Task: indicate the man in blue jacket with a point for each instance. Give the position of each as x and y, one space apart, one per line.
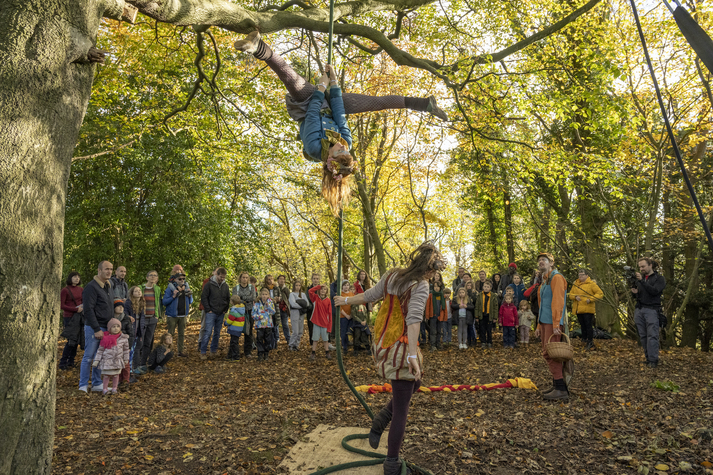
178 299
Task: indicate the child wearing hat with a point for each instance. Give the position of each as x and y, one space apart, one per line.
112 355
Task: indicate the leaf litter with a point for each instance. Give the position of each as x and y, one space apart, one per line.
243 417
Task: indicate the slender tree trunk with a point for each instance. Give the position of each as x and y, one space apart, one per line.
493 235
508 226
368 213
43 99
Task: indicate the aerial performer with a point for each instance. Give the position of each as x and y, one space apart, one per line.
324 131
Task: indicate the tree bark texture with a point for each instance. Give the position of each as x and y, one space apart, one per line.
509 240
44 96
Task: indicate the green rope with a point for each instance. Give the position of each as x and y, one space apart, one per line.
377 458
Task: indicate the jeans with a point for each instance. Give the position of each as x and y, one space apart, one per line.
234 348
446 328
647 325
213 324
285 318
472 337
509 335
344 326
91 345
586 321
181 323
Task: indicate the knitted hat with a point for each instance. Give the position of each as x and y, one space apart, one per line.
113 322
549 256
118 303
512 264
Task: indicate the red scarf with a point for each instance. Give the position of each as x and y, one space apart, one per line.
109 340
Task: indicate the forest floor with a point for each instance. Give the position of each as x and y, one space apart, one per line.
221 417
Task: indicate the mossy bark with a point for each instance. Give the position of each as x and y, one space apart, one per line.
43 99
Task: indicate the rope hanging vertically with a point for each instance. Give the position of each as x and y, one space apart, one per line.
671 137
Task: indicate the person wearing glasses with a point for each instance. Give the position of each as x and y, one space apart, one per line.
177 300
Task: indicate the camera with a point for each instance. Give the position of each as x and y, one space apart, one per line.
630 276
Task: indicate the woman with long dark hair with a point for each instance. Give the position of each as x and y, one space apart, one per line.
71 304
396 353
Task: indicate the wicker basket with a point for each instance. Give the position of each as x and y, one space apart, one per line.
560 350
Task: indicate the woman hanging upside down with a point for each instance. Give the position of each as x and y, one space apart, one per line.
324 132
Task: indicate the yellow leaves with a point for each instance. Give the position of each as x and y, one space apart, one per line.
479 413
707 464
607 434
662 467
148 457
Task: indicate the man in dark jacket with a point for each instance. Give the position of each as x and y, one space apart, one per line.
507 279
215 299
648 290
98 301
284 308
119 285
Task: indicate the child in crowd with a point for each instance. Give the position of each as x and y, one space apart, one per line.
526 317
161 354
345 316
447 324
360 325
321 318
517 288
472 295
462 307
134 307
262 313
486 312
127 328
235 323
112 355
436 312
508 320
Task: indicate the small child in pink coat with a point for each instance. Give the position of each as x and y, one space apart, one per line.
112 355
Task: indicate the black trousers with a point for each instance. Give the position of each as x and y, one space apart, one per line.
586 321
361 337
263 340
247 333
234 348
486 331
163 362
433 331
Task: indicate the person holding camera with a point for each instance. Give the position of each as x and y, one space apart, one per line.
647 290
178 299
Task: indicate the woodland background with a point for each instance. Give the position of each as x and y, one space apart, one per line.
187 155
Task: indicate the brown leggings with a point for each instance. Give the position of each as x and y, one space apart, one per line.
301 90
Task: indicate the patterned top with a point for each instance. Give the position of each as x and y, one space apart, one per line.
262 313
150 298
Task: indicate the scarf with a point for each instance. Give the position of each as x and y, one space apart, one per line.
109 340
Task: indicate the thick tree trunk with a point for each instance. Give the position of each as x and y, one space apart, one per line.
43 99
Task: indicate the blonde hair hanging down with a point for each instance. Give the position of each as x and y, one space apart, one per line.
336 187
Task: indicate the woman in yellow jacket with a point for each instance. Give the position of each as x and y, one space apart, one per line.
584 294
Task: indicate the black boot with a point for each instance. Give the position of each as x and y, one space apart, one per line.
378 426
392 466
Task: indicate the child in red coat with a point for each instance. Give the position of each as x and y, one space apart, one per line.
321 318
508 320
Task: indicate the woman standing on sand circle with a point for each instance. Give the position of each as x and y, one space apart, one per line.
396 353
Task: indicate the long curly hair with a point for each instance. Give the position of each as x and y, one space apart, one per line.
423 259
337 173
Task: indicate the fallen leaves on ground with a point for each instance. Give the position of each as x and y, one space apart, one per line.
243 417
